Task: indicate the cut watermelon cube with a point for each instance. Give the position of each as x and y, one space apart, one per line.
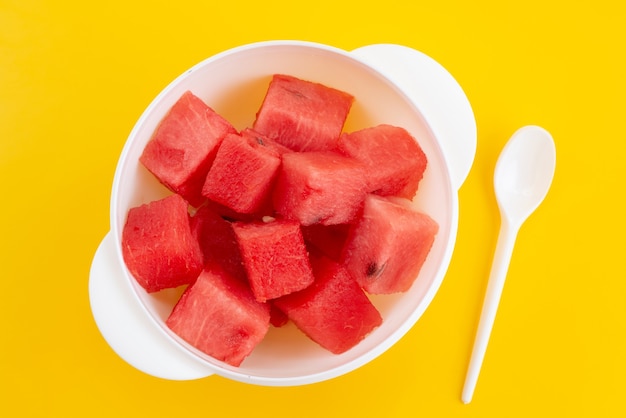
319 187
395 161
389 244
158 246
242 174
334 311
184 145
302 115
217 241
274 256
219 316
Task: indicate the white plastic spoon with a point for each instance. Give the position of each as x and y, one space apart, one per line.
523 175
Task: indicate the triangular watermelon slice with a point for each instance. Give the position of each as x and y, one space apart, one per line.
388 245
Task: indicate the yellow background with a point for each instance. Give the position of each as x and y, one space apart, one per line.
75 76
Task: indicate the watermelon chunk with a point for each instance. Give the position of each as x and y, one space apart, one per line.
217 241
302 115
158 247
395 162
389 244
242 174
219 316
274 256
319 187
334 311
184 145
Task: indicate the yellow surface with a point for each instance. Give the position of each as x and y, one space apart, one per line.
74 77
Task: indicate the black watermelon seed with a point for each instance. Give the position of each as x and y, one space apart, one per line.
374 270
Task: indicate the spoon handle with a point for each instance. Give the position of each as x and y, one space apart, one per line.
499 268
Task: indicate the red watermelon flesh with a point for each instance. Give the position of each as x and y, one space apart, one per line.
319 187
334 311
158 246
277 317
302 115
242 174
327 239
230 215
217 241
264 140
219 316
274 256
394 159
183 146
387 247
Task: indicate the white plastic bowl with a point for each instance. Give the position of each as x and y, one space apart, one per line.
234 83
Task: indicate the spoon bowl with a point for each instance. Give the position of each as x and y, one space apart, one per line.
522 178
524 173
